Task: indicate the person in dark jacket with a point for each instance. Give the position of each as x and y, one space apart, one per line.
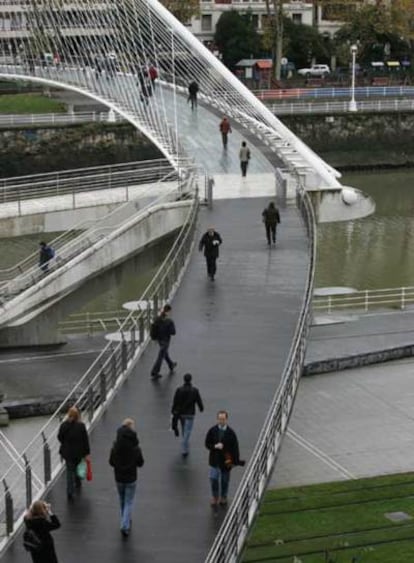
192 94
125 457
46 254
41 520
210 241
271 218
165 328
222 443
74 446
185 400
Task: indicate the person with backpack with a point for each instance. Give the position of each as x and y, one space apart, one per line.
185 400
74 447
37 540
161 330
271 218
46 254
125 457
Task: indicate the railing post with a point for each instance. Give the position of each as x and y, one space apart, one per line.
102 385
8 501
329 304
47 463
366 300
141 329
124 353
90 402
28 472
403 298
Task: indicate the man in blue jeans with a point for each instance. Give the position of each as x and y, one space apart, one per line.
222 443
161 331
185 400
125 457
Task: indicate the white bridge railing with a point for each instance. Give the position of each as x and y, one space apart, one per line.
365 300
382 105
18 119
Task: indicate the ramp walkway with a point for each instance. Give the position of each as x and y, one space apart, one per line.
234 336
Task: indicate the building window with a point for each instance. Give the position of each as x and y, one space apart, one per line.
206 22
297 18
255 21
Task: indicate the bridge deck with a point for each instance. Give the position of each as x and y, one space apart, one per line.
234 336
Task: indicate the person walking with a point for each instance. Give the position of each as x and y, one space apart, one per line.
185 400
222 443
271 218
210 242
46 253
161 331
39 521
225 129
192 94
125 457
244 156
74 447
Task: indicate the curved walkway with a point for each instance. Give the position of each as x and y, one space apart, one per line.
234 336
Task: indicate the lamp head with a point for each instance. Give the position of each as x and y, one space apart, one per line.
354 49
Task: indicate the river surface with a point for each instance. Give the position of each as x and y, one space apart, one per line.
378 251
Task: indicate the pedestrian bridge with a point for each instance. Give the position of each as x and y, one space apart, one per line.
243 337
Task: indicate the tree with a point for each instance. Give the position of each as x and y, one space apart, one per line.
236 37
273 33
377 32
303 43
183 10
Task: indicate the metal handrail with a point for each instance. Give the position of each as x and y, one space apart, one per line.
100 382
232 535
342 107
57 118
76 181
365 300
72 243
317 93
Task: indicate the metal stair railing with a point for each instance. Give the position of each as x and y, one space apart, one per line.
65 252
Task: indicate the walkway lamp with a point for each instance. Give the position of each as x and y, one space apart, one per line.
352 103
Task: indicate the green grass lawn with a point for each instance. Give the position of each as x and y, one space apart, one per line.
336 523
29 103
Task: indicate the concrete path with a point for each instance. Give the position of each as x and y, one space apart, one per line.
351 424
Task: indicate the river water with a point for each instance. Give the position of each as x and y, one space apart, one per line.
375 252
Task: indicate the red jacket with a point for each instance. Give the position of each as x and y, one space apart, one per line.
225 126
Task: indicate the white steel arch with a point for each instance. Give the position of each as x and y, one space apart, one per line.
108 51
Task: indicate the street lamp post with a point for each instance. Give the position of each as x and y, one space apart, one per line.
352 103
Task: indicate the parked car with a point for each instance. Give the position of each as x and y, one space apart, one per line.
315 71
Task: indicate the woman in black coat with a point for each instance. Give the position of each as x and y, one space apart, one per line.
42 521
74 446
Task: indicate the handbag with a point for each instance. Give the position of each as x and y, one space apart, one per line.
228 460
88 470
81 469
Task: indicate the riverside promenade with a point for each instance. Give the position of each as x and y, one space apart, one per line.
234 336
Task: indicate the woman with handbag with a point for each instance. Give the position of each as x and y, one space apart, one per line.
37 540
74 447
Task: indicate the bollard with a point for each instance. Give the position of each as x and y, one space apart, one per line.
210 185
8 501
47 462
28 472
